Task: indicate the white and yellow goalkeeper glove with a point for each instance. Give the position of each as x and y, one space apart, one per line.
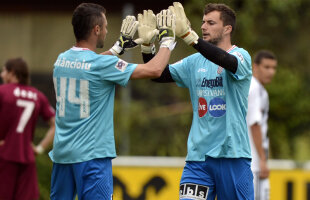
183 29
147 31
166 26
125 41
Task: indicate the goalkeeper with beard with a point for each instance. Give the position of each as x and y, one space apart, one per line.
218 162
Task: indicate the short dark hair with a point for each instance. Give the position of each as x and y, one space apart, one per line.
260 55
20 68
227 15
85 17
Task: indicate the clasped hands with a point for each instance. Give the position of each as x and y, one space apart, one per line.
164 26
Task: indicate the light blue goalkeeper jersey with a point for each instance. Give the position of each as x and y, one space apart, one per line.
84 84
219 100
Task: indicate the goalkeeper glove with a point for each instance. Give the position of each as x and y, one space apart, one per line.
125 41
183 28
166 26
147 31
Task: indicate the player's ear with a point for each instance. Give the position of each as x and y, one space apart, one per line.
97 30
254 67
227 29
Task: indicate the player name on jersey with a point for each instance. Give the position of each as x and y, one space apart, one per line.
63 62
25 93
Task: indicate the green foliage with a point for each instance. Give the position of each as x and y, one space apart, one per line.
159 119
44 166
289 112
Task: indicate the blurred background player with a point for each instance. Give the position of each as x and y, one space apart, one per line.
264 68
85 88
218 78
20 107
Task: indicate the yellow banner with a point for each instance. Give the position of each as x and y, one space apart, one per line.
146 183
290 184
162 183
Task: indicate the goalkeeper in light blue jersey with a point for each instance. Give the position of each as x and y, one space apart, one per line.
84 84
218 78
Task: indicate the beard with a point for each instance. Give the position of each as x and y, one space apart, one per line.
215 40
100 43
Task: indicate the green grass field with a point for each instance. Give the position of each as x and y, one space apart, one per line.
44 167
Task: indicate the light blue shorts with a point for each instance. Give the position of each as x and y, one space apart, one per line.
89 180
226 178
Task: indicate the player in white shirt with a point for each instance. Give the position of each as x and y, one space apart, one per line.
264 68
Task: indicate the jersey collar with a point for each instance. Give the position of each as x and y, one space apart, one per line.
74 48
231 48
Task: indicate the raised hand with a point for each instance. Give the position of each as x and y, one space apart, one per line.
125 41
183 29
166 26
147 31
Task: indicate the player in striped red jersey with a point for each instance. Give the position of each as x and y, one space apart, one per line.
20 107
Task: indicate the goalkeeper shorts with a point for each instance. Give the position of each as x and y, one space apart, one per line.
91 179
224 178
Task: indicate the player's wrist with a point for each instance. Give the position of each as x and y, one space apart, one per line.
148 48
116 49
167 39
40 149
168 42
190 37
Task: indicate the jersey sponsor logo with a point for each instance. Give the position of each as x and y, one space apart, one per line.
202 107
239 55
63 62
217 107
193 191
211 93
121 65
202 70
211 83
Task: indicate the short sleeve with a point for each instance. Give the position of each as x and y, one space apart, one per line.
244 69
114 69
46 111
180 72
254 114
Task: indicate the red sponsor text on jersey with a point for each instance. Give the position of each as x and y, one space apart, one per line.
202 107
